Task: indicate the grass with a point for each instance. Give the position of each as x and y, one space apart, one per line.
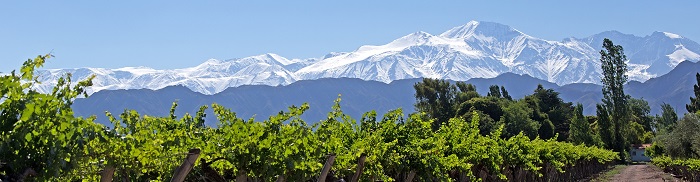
607 175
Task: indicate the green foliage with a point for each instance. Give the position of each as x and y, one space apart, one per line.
486 124
655 150
436 98
505 93
38 132
494 91
287 149
639 113
546 130
614 66
580 131
604 126
491 106
548 98
636 134
517 118
466 92
694 105
677 147
557 111
550 114
668 118
688 169
684 140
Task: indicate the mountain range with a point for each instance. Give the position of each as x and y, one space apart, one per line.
474 50
359 96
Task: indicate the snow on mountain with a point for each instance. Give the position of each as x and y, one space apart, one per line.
474 50
672 35
412 56
680 54
210 77
650 56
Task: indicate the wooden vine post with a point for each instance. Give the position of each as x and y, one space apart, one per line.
107 174
410 176
182 171
326 168
360 168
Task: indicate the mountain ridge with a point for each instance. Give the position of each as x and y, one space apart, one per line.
477 49
359 96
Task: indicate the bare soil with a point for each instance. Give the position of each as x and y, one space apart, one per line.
643 173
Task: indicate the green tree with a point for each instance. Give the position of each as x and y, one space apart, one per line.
489 110
546 130
639 113
466 93
436 98
505 93
683 141
556 110
39 132
517 118
614 66
694 105
486 123
491 106
494 91
667 119
604 126
580 131
636 133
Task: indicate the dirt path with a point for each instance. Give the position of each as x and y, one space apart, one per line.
643 173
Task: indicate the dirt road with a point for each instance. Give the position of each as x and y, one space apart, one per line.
643 173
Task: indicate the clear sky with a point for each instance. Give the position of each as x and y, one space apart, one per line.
178 34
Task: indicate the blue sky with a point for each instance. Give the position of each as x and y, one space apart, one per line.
178 34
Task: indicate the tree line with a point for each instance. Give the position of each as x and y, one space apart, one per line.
620 120
456 134
676 147
41 140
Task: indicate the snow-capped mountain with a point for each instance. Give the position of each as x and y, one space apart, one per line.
652 55
474 50
210 77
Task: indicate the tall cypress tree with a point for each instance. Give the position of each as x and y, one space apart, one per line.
580 131
614 66
605 126
694 105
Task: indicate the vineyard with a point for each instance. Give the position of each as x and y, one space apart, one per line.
688 169
43 141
